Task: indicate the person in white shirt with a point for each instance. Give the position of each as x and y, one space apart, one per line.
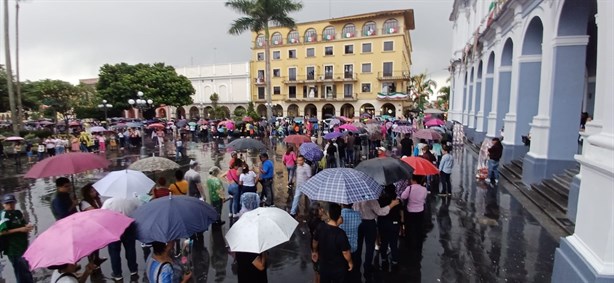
248 180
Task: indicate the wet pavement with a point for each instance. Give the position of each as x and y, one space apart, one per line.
480 234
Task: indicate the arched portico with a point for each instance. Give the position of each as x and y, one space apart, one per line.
180 113
278 111
388 109
487 97
207 112
261 109
194 113
367 108
311 110
504 83
476 137
347 110
293 110
328 111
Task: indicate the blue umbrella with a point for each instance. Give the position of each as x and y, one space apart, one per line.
332 135
181 123
134 124
170 218
311 151
313 120
341 185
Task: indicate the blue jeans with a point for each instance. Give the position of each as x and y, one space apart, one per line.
21 269
295 201
267 191
128 240
291 173
367 231
233 190
493 169
349 155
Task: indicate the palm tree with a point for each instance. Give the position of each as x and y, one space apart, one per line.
421 88
9 71
444 97
17 82
258 15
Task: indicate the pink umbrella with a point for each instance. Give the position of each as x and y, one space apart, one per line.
15 138
427 134
348 127
74 124
66 164
434 122
75 237
247 119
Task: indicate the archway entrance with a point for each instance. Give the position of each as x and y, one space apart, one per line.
367 108
180 113
347 110
311 110
225 112
194 113
278 111
292 110
207 112
328 111
388 110
261 109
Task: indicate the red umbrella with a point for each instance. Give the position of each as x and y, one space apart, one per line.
247 119
297 139
421 166
156 125
434 122
66 164
74 124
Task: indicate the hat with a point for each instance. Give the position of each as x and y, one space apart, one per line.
193 162
381 148
214 169
8 198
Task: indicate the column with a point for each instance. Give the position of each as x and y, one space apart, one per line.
588 254
485 107
501 101
478 137
465 100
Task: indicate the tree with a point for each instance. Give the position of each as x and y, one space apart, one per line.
9 72
421 88
216 112
258 15
444 97
56 96
251 112
120 82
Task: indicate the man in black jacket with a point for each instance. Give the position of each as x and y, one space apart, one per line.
494 154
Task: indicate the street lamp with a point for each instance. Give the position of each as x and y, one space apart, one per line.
105 106
142 104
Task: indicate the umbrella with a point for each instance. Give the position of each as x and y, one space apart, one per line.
341 185
332 135
125 206
297 139
260 229
334 122
365 115
313 120
154 163
124 184
421 166
349 127
248 143
433 111
70 239
386 170
202 122
181 123
170 218
192 124
66 164
134 124
403 129
247 119
74 124
311 151
156 126
427 134
46 123
2 137
14 138
97 129
434 122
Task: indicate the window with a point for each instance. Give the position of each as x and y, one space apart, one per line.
388 45
349 31
260 76
348 71
276 90
387 68
349 49
390 26
261 93
328 33
276 38
260 56
292 53
292 74
328 72
276 73
366 87
348 90
276 55
328 50
366 48
293 37
369 29
311 52
311 35
366 68
388 87
311 74
292 91
260 40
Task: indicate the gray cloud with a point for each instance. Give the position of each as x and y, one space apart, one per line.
70 40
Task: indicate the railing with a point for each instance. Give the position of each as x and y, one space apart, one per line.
259 80
327 77
390 30
330 37
393 75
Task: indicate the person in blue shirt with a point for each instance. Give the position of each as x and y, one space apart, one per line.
63 204
445 170
351 221
266 179
160 265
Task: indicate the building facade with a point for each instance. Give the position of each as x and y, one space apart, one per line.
230 81
527 69
336 67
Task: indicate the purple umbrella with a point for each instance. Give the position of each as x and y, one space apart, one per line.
434 122
311 151
332 135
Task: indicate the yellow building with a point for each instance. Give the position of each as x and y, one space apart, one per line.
337 67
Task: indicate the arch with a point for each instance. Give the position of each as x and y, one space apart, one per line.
225 111
507 55
239 108
194 113
260 40
480 69
328 110
208 92
311 110
369 29
261 109
390 26
347 110
367 108
223 93
328 33
348 31
533 38
311 35
207 112
388 109
278 111
292 110
574 17
490 67
180 113
276 38
293 37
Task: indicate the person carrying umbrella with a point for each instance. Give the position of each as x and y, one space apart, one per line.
66 273
14 238
63 204
160 265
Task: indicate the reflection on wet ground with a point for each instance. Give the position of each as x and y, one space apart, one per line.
481 234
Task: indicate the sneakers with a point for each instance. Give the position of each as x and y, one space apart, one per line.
117 277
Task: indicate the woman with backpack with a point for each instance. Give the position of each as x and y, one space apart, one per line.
159 267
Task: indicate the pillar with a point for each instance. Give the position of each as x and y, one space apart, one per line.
485 107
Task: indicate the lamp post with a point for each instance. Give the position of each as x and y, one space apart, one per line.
142 104
105 106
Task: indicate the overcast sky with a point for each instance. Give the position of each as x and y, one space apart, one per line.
71 39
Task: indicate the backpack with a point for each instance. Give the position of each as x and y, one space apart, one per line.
66 275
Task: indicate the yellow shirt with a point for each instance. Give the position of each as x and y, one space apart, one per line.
179 188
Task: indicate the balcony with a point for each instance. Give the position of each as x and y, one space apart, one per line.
390 30
259 81
393 76
326 78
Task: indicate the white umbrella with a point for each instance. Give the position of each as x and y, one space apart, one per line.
260 229
124 184
124 206
433 111
97 129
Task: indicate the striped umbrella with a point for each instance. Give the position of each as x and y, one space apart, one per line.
341 185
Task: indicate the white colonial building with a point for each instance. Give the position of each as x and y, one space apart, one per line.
229 81
530 68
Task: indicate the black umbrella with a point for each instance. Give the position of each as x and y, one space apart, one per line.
386 170
246 143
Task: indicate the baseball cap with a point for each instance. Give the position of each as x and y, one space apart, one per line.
193 162
381 148
8 198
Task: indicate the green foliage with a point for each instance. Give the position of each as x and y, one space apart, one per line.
95 112
421 88
443 98
239 112
216 112
251 111
4 92
55 96
120 82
